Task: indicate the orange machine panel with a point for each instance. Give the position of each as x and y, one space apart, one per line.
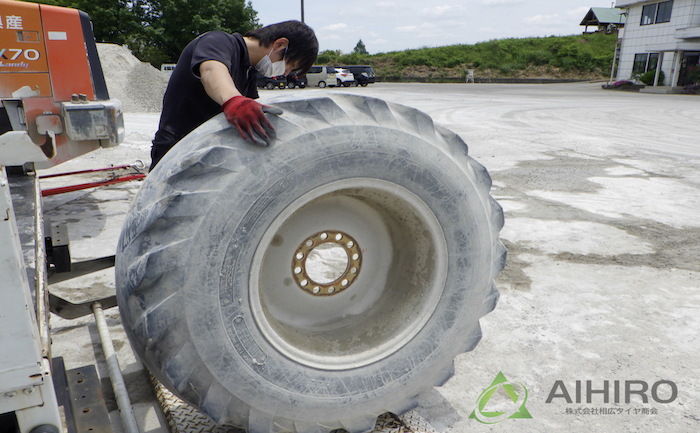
65 49
23 59
10 83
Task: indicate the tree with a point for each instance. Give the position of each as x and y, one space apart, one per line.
157 31
328 57
174 23
114 21
360 48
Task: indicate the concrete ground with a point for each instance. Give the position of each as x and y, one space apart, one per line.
601 193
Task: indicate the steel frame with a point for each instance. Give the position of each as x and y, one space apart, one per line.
26 385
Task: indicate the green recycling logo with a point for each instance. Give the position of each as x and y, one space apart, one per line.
517 393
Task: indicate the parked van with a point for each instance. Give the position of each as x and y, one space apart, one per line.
168 68
321 76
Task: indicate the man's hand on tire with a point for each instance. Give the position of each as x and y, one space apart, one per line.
249 117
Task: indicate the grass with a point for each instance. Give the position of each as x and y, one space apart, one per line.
587 54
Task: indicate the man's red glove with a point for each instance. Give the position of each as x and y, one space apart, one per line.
246 115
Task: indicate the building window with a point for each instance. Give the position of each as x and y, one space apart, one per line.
645 62
656 13
663 15
648 13
640 63
653 61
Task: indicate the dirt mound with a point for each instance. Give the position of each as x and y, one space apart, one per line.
138 85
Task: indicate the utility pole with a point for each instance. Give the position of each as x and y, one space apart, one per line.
302 11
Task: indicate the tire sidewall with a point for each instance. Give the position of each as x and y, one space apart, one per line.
219 307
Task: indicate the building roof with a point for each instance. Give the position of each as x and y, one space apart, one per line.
603 16
626 3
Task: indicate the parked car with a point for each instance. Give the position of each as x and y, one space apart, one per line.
293 81
321 76
168 68
271 82
364 74
344 77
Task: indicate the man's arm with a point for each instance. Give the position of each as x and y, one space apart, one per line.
217 81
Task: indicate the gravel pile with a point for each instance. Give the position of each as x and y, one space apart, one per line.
138 85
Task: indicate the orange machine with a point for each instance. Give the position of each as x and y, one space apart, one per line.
55 103
54 106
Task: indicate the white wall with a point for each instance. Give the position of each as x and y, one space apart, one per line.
685 13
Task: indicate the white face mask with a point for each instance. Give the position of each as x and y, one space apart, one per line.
269 69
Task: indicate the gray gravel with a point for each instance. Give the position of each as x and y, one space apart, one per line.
138 85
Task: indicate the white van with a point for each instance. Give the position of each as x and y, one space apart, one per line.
168 68
321 76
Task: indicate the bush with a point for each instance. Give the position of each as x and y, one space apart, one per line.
693 89
505 69
535 57
488 65
694 75
592 52
622 83
648 77
327 57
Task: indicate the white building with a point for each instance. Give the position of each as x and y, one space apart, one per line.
660 32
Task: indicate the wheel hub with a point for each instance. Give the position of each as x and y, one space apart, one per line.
311 279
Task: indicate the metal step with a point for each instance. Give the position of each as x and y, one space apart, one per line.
79 394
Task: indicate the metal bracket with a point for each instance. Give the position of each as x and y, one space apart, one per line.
69 310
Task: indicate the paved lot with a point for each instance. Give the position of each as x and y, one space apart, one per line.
601 192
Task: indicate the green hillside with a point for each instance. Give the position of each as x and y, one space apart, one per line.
587 56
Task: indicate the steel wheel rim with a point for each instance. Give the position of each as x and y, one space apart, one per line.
397 282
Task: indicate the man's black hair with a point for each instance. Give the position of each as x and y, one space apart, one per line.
303 45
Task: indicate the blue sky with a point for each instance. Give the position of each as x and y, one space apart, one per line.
392 25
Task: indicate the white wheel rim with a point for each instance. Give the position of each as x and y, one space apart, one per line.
397 282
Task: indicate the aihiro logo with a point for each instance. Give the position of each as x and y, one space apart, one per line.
510 407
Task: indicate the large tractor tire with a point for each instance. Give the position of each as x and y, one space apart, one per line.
222 301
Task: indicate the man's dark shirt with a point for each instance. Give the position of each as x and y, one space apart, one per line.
186 104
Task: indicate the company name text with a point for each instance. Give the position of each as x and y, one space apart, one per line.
662 391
